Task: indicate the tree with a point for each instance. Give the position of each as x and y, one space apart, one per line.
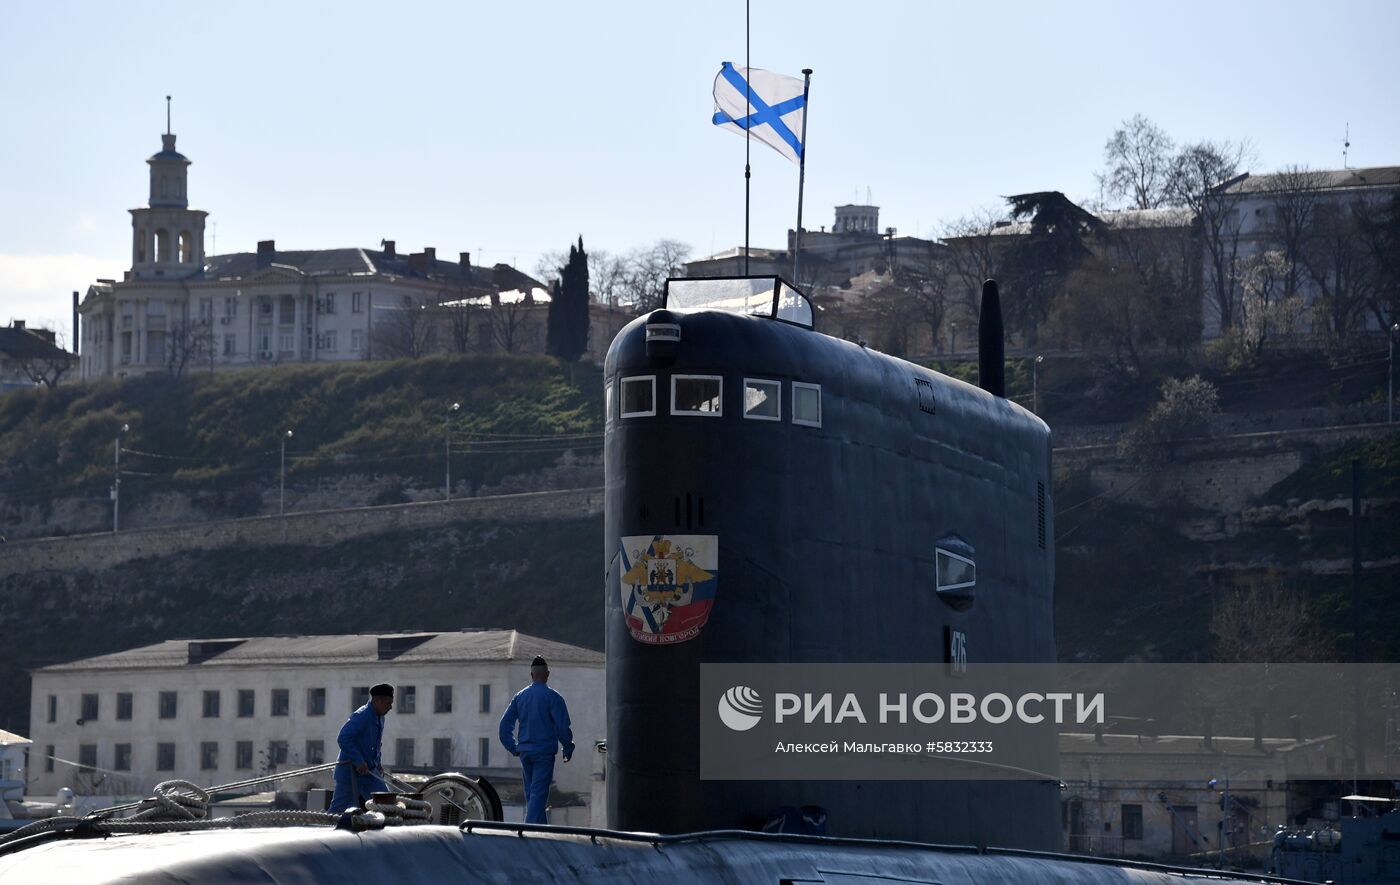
1378 224
42 360
187 341
644 282
1266 623
1182 412
1293 202
1197 174
509 318
402 332
971 259
1266 309
1342 267
1138 164
1039 261
567 330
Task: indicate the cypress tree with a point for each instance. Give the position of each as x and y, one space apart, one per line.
567 337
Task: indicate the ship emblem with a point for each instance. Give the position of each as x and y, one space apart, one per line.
668 585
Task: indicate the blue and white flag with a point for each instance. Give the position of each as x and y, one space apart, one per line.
772 111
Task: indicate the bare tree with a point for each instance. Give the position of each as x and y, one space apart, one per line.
187 341
402 332
1342 268
1197 176
44 361
1293 201
1266 309
509 319
1378 225
643 284
971 259
1138 164
1266 622
607 276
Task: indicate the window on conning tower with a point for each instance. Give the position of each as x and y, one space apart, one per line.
763 399
806 404
639 396
696 395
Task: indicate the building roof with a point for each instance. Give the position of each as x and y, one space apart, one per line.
18 342
1180 744
1327 179
343 262
345 649
9 738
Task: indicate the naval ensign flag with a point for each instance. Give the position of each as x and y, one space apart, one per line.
772 111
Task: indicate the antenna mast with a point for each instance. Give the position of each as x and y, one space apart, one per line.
1346 145
167 115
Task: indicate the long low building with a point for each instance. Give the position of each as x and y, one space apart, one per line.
216 711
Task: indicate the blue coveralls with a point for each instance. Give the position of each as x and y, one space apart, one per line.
359 741
544 728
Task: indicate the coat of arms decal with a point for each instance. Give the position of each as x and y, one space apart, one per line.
668 585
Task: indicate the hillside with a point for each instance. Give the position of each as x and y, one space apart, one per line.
209 446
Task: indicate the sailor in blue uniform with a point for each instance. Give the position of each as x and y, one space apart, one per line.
544 728
360 739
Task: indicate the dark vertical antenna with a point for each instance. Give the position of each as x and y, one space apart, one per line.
748 131
1346 145
167 115
1359 761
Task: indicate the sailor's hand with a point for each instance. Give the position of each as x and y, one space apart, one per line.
361 768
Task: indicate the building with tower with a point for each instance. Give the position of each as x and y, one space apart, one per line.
179 310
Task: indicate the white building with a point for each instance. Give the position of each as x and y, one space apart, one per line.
216 711
1312 213
178 309
12 750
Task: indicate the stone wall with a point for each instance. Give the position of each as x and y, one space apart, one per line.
98 552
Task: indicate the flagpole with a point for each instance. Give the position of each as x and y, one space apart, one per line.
801 178
748 131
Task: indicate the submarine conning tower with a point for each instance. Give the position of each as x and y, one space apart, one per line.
777 495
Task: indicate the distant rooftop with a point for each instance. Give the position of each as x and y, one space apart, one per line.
425 647
9 738
1181 744
337 262
1330 179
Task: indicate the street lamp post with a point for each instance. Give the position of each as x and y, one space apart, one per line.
117 479
1390 376
447 447
282 477
1035 384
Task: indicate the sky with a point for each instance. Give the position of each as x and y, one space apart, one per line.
509 130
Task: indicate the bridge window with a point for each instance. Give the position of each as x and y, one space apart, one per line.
607 403
696 395
763 400
956 571
807 404
639 396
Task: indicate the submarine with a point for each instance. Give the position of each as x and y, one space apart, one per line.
773 496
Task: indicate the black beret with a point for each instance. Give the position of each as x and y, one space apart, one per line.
538 662
382 688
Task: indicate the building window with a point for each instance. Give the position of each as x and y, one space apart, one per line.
165 756
265 343
230 307
48 757
408 699
208 756
442 699
483 749
442 753
206 309
807 404
357 340
359 696
639 396
357 302
87 757
276 753
763 399
228 345
315 752
168 704
287 342
264 307
1132 821
211 704
243 755
245 703
89 708
287 310
315 702
53 708
486 699
281 702
329 302
121 757
328 341
403 752
123 705
696 395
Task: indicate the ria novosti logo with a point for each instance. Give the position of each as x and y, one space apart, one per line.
740 708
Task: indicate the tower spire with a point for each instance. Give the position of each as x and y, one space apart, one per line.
167 115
